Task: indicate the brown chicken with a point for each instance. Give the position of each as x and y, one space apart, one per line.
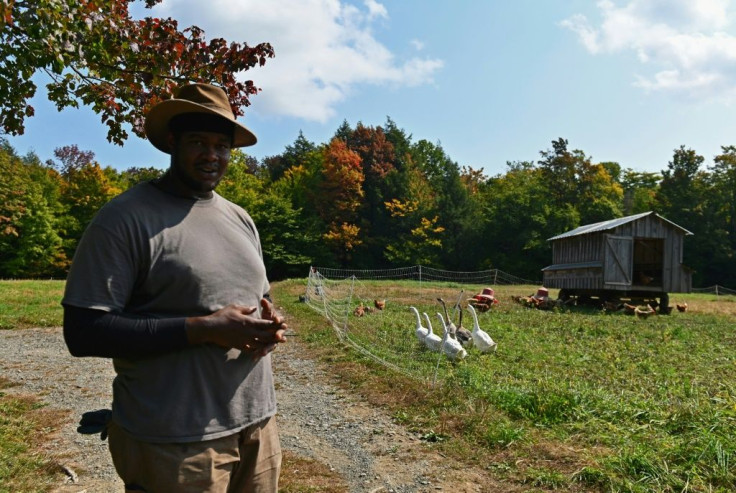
611 306
359 310
681 307
379 304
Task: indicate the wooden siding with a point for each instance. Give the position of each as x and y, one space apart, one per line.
656 259
587 278
584 248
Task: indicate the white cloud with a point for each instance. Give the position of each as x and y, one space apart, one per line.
325 49
376 9
684 45
418 45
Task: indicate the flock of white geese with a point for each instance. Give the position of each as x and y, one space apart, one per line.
456 340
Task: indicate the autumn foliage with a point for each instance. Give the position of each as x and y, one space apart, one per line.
92 52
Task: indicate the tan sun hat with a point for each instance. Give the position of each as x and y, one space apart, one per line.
194 98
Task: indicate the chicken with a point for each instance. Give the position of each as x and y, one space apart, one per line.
379 304
359 310
611 306
681 307
629 309
645 279
645 312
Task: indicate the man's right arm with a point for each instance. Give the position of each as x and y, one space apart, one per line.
89 332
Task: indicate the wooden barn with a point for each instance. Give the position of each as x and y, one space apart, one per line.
636 257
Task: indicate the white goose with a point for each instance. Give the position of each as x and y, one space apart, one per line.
482 340
451 347
420 331
432 340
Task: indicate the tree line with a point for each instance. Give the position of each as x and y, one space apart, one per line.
372 198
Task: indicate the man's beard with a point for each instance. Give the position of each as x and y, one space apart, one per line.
187 180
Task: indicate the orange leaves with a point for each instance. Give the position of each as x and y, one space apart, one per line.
343 236
6 13
343 182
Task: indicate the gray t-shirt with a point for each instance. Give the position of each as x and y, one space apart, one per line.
151 254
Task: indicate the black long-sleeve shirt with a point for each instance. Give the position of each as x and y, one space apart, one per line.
90 332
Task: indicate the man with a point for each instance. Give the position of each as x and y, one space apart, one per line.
169 281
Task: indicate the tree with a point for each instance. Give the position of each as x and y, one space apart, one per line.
721 268
29 243
342 192
560 169
133 176
93 52
422 245
680 191
519 219
724 180
452 201
683 198
293 155
287 247
600 197
85 187
640 191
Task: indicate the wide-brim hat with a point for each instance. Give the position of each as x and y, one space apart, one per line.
194 98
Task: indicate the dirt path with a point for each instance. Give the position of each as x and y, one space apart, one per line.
317 420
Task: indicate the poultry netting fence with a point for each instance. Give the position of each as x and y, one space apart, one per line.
716 290
374 317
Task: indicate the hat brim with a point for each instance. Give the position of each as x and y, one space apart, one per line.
157 123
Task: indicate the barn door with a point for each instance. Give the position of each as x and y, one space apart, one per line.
618 265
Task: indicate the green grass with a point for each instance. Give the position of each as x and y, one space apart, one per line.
579 398
24 422
25 304
24 425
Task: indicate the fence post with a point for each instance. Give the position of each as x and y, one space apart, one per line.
716 289
350 303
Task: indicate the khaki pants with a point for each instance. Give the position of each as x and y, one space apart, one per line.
248 461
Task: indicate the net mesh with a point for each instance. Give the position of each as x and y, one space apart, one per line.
381 326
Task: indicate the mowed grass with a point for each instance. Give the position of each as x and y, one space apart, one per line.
26 303
574 399
24 428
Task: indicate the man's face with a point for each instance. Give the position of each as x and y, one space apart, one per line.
198 161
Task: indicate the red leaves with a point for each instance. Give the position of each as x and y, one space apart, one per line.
122 66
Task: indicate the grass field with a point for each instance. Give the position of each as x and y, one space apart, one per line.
573 400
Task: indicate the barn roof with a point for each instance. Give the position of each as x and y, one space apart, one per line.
612 224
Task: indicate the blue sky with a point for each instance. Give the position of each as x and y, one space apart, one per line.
491 81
